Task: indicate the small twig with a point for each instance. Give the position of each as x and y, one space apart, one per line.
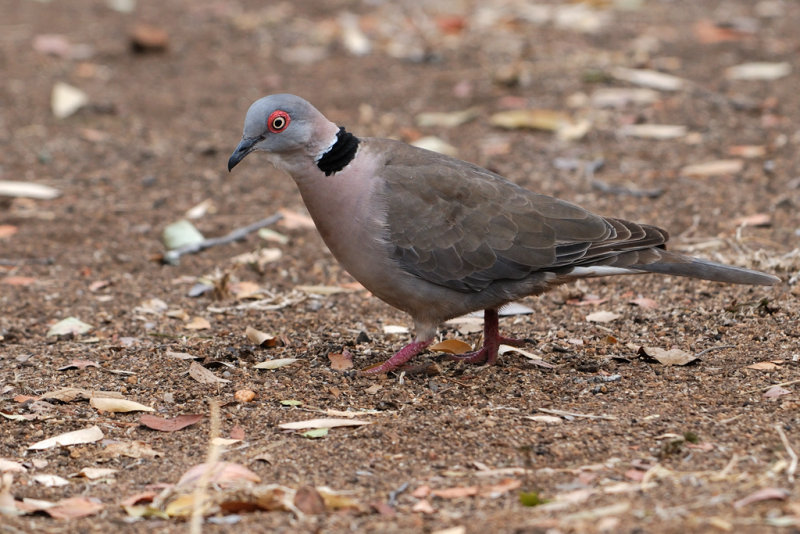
212 457
173 256
709 349
790 471
393 494
575 414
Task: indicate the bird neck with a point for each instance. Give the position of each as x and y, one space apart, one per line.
339 154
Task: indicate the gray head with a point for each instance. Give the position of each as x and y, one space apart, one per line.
280 124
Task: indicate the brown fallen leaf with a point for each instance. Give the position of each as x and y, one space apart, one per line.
309 501
139 498
237 433
75 507
7 230
169 425
708 32
455 492
198 323
714 168
71 394
644 302
504 486
18 280
262 339
748 151
421 492
341 361
667 357
130 449
423 506
776 391
203 375
79 364
451 346
763 366
764 494
757 219
223 474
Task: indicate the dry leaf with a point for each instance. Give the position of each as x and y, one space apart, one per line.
668 357
237 433
222 474
10 466
618 97
94 473
74 507
447 119
262 339
765 494
275 364
336 500
748 151
105 404
69 326
763 366
423 506
131 449
536 119
341 362
169 425
198 323
182 355
66 100
18 280
50 481
323 290
394 329
435 144
10 188
654 131
77 437
456 492
649 78
496 490
71 394
79 364
323 423
644 302
451 346
772 393
602 317
309 501
708 32
758 71
203 375
757 219
7 230
714 168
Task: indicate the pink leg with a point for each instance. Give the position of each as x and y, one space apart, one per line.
491 341
398 358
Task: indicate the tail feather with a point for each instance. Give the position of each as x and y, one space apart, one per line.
679 265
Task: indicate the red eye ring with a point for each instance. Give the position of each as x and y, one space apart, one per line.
278 121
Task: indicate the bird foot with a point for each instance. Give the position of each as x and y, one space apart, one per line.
398 359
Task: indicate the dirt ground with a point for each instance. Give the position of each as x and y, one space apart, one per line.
704 447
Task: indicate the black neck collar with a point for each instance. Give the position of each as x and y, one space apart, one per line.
340 154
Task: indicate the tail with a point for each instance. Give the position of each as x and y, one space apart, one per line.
679 265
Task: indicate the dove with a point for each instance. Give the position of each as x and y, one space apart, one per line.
437 237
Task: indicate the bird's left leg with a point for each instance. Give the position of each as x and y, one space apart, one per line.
491 341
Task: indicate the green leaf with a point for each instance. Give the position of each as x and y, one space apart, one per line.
530 498
316 433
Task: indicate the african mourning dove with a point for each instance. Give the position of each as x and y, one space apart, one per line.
438 237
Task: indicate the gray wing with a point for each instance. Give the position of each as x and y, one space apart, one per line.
460 226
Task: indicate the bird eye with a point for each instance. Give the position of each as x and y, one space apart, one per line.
278 121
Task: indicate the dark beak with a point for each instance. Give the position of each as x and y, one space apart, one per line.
244 148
